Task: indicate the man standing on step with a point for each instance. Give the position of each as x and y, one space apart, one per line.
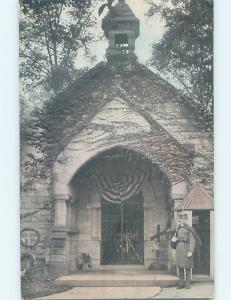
185 240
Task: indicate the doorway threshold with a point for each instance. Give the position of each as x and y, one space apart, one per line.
121 267
202 278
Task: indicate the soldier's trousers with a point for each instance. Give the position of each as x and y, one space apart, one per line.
182 282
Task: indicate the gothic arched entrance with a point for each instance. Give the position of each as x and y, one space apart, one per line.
120 199
88 189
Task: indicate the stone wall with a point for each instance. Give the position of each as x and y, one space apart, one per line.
156 212
183 120
36 213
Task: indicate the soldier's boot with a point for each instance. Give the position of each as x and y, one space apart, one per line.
181 278
188 279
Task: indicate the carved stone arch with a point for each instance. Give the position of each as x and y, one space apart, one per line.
64 172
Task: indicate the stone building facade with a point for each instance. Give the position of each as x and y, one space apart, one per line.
125 122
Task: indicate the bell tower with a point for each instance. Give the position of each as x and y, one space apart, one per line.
122 28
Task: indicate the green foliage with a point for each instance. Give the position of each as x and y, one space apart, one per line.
53 123
38 5
185 53
62 117
51 34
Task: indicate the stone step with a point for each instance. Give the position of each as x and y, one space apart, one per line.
202 278
118 268
120 279
99 293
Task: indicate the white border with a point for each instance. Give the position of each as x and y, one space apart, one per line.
222 148
9 150
9 153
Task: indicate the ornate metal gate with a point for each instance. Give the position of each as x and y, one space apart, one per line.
122 239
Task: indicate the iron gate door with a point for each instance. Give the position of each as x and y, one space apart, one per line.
122 240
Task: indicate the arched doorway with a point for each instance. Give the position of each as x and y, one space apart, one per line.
121 199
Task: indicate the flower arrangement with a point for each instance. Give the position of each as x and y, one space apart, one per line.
85 262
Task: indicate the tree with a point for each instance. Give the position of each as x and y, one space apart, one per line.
53 124
185 53
51 34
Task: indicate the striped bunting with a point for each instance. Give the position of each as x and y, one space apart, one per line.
119 187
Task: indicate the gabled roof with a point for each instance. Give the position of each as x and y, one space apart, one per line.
66 115
123 10
120 13
106 82
197 199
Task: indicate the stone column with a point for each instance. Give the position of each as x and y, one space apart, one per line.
148 220
60 240
178 193
131 41
61 210
111 38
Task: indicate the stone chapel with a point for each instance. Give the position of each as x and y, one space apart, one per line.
137 153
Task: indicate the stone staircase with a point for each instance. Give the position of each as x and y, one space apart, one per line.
118 278
118 284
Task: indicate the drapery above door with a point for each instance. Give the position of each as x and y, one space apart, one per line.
118 187
119 174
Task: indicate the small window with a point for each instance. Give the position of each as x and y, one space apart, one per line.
121 40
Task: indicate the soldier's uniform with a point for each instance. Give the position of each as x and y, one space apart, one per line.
184 247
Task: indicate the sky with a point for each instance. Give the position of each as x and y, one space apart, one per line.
9 272
151 31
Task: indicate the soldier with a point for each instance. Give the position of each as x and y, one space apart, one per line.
185 240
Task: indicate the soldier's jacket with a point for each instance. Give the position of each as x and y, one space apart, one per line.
185 244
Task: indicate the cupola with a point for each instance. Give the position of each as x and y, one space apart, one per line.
122 28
